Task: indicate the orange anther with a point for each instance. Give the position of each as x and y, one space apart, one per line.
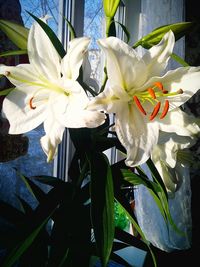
165 91
152 93
31 103
139 105
165 109
159 85
155 111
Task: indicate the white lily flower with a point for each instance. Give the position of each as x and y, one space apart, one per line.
172 155
140 97
47 91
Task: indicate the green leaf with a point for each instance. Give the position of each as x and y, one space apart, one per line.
34 189
11 214
179 29
6 91
25 206
52 36
49 180
139 230
16 253
37 220
102 205
129 239
179 60
156 176
17 33
152 187
71 29
162 194
13 53
125 31
157 189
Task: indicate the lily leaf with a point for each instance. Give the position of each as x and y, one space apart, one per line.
16 253
13 53
153 188
125 31
6 91
17 33
52 36
137 227
49 180
179 29
10 213
71 29
34 189
102 205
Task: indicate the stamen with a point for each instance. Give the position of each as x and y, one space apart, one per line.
159 85
152 93
7 73
155 111
180 91
31 103
139 105
165 91
165 110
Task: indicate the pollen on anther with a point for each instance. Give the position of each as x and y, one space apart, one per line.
180 91
31 103
159 85
139 105
165 109
152 93
155 111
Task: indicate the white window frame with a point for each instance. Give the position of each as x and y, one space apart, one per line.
71 10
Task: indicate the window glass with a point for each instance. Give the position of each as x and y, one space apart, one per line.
94 28
40 8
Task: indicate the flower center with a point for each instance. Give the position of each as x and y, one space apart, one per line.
152 94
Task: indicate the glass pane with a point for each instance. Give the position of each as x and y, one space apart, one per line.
40 8
94 28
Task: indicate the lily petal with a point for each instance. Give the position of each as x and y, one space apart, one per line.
179 122
185 78
21 74
125 68
42 54
73 60
109 100
157 57
136 135
54 133
16 108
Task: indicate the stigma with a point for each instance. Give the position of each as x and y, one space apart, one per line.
153 95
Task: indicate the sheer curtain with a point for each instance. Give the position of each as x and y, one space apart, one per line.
152 15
